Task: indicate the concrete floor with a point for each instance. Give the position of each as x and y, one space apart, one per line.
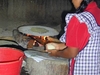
23 72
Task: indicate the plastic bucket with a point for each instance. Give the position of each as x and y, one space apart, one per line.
10 61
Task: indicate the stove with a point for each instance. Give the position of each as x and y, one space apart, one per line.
34 37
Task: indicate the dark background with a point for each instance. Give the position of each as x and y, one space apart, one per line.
43 11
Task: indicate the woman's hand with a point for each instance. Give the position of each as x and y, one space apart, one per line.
53 48
52 52
60 50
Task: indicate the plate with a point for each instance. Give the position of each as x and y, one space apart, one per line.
38 30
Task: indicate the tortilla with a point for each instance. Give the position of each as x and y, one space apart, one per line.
50 47
39 30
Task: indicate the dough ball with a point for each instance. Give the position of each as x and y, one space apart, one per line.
50 46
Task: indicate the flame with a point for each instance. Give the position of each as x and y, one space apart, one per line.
34 42
46 38
41 40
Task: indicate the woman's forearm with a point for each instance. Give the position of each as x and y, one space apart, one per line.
69 52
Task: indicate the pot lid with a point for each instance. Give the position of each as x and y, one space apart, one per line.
38 30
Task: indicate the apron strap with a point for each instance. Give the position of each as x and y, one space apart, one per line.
71 69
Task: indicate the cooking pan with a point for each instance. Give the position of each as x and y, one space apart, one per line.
37 30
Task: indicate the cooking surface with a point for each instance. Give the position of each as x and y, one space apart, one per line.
38 30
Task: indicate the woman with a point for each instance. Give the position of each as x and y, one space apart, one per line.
82 39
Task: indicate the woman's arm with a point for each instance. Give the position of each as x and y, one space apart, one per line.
61 50
69 52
